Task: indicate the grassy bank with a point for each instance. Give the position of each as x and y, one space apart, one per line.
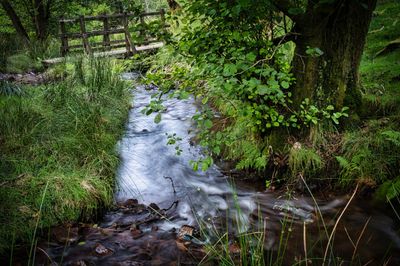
58 155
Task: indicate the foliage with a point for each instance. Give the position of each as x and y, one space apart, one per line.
61 135
22 63
231 66
371 156
380 74
304 160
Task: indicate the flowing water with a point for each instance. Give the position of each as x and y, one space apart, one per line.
162 195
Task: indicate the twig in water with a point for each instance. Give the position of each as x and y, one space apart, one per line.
45 253
170 207
172 182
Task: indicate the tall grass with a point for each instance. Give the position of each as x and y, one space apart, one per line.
61 136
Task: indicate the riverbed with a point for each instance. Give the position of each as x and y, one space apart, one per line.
168 214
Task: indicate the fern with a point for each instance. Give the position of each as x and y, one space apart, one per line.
389 190
392 136
373 154
304 160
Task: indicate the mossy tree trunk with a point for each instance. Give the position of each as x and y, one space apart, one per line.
338 28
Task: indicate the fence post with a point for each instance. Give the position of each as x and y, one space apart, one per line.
84 35
106 36
64 38
130 48
142 29
162 13
164 29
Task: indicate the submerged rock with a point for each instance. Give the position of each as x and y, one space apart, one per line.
101 250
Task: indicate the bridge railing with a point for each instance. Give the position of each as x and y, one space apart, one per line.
115 30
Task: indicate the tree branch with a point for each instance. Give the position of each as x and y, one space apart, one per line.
284 6
15 20
290 36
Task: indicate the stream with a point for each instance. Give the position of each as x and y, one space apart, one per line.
162 205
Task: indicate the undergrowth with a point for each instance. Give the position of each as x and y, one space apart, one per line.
63 136
245 98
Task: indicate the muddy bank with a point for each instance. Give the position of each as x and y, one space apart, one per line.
128 235
30 78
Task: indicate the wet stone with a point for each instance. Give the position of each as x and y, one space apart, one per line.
79 263
154 228
154 207
65 235
130 203
185 233
136 232
234 248
101 250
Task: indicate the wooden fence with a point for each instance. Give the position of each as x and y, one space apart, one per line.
112 24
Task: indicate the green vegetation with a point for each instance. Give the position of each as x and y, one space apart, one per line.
279 92
224 55
61 136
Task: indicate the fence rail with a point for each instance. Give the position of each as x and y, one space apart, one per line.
108 29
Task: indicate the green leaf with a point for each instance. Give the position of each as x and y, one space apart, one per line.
251 57
285 84
208 123
217 150
157 118
262 89
229 70
195 165
330 108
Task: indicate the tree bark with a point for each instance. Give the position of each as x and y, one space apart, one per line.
340 32
19 28
41 18
173 5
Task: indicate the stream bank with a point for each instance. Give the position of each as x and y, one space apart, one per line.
164 201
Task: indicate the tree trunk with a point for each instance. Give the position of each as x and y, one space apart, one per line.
173 5
41 19
19 28
331 78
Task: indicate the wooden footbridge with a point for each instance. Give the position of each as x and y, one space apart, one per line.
120 35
